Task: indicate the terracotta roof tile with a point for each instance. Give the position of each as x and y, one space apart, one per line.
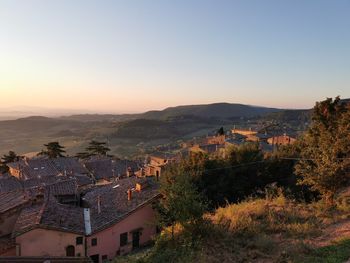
9 183
69 165
12 199
50 215
114 200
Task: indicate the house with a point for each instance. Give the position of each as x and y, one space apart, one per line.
121 216
281 140
114 220
257 137
105 169
158 162
207 148
66 192
244 132
33 168
220 139
69 166
49 228
11 204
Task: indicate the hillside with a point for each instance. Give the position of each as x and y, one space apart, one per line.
131 134
258 230
215 110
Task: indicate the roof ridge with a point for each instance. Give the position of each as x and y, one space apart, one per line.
41 212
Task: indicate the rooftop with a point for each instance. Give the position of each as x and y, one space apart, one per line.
114 203
9 183
49 214
12 199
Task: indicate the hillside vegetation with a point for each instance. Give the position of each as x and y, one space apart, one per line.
256 230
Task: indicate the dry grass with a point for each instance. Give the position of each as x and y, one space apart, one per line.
259 230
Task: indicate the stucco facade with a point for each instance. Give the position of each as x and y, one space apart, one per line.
44 242
108 240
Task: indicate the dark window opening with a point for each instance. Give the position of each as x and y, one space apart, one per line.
79 240
123 239
135 239
104 258
70 251
95 258
94 242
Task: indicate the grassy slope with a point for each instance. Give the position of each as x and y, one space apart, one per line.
259 230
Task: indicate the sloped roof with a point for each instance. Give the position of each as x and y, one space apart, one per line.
9 183
101 168
121 166
43 181
82 179
35 168
10 200
50 215
66 187
69 165
114 201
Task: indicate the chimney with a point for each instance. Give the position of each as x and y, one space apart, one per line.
99 204
129 194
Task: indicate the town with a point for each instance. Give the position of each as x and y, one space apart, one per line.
98 206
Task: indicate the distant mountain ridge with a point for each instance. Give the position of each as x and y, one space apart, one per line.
215 110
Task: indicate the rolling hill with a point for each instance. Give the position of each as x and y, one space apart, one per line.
132 134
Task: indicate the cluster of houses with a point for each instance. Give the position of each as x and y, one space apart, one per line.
96 208
64 207
218 144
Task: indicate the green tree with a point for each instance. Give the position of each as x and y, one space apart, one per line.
181 202
221 131
97 148
325 152
8 158
53 150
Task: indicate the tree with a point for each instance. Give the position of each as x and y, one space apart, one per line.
325 152
83 155
97 148
221 131
181 202
8 158
53 150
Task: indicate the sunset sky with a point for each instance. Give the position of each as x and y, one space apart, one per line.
131 56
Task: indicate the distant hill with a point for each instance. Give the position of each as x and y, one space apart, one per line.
216 110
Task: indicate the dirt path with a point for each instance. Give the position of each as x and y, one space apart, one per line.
333 233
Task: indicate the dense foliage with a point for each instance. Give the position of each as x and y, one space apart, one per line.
325 151
53 150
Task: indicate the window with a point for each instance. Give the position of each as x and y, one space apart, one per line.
70 251
104 258
123 239
94 242
79 240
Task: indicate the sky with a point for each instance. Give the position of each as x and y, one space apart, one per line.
137 55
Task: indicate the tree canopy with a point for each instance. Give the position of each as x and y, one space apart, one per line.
8 158
181 202
325 151
97 148
53 150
